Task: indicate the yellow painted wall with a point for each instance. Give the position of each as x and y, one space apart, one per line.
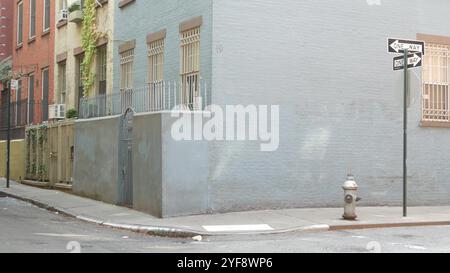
17 159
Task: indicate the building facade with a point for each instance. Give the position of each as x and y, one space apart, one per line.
324 63
33 60
69 53
6 29
6 32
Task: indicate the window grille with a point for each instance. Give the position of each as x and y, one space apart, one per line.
126 70
436 75
190 65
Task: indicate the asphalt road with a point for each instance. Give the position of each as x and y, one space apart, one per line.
26 228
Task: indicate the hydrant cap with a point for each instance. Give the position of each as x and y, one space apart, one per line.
350 184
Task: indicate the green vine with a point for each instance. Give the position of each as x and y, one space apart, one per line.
89 36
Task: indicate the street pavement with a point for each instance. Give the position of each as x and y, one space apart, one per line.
248 222
27 228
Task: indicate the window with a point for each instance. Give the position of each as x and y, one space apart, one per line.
20 23
18 107
190 65
45 92
126 70
62 82
156 61
46 15
102 54
155 74
31 103
436 75
102 69
63 13
79 78
32 19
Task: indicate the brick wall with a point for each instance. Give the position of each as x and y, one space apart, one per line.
34 55
325 64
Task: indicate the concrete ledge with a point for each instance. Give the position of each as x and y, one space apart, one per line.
38 184
62 186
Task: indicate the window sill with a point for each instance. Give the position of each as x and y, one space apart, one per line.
61 23
45 33
100 3
31 40
19 46
435 124
124 3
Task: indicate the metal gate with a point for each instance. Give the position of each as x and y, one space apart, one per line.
126 162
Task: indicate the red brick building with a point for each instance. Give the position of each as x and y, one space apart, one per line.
6 33
6 28
33 58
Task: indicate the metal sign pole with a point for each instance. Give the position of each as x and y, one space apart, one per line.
8 143
405 136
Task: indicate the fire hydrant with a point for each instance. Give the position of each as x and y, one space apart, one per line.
350 187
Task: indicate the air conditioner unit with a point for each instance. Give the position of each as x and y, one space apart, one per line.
63 15
57 111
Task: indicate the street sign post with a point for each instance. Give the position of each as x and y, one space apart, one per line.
8 142
413 52
414 60
400 45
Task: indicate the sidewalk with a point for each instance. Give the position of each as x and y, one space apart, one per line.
253 222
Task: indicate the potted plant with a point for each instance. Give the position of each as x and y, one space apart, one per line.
75 13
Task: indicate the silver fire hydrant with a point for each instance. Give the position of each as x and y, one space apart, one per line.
350 188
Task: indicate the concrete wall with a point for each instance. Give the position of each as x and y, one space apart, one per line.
185 172
169 177
136 20
96 155
17 163
325 64
147 164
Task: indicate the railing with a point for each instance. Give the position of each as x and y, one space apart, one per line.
23 112
154 97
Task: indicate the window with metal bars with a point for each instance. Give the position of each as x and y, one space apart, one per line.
190 65
156 61
436 76
126 70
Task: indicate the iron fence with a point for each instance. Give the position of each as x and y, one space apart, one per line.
154 97
23 112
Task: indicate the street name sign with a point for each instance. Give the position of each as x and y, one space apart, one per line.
399 46
414 60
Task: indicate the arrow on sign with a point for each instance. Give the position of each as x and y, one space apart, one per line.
399 46
414 60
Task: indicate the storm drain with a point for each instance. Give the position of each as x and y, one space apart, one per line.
2 195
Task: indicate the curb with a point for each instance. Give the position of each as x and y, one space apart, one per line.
161 231
389 225
187 233
149 230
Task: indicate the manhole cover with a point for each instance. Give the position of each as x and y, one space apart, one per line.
2 195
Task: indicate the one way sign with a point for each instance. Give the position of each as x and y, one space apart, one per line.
414 60
399 46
